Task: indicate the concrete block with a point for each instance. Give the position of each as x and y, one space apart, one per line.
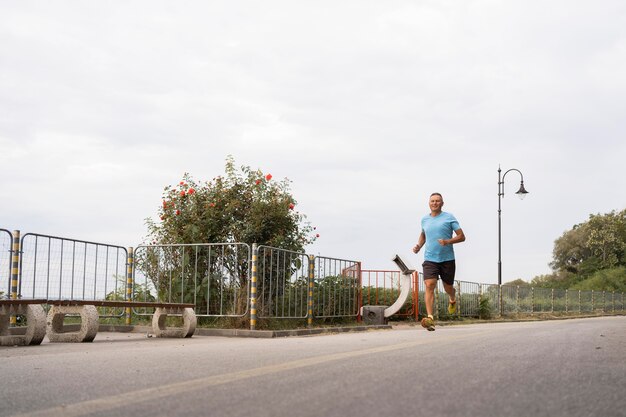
189 322
88 324
35 329
374 315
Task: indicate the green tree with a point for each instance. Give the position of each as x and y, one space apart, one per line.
613 279
243 206
607 238
518 282
597 244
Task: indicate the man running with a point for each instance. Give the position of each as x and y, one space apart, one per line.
437 228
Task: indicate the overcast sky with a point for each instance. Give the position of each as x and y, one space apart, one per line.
366 106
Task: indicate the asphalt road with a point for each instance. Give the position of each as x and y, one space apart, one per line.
553 368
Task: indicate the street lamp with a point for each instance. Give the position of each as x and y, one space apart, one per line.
521 193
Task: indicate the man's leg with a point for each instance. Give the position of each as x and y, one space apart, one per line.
429 295
451 292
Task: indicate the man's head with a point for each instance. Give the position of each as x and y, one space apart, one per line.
435 203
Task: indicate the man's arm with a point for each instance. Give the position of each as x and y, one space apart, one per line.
420 242
458 238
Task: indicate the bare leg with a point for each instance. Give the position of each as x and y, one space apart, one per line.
450 291
429 295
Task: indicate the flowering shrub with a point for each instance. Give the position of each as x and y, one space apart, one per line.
244 206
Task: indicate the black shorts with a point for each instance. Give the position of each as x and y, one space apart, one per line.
444 270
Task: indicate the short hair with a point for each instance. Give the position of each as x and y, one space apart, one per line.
438 195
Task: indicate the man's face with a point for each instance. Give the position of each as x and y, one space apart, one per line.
435 203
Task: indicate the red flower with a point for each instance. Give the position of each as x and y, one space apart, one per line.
182 193
191 191
257 182
291 206
268 177
162 217
212 204
177 212
182 183
164 204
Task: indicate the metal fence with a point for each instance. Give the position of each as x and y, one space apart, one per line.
217 278
59 268
337 287
282 283
487 300
212 276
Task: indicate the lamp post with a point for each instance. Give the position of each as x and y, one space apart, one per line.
521 193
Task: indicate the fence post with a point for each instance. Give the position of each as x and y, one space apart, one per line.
15 262
359 295
416 294
580 307
458 298
253 282
552 301
532 300
436 302
566 311
309 297
613 301
500 307
130 268
593 303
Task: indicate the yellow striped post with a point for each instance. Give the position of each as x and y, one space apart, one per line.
309 316
15 265
253 282
129 282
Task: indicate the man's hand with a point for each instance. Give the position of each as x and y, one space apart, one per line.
416 248
442 242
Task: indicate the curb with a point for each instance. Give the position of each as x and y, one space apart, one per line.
259 334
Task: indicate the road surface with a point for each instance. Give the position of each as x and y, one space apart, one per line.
555 368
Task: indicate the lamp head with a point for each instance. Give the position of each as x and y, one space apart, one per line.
521 193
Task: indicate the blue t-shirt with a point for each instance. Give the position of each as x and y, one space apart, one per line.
435 228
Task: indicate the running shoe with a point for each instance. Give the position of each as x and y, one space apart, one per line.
428 324
451 307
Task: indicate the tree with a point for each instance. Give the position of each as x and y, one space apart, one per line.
613 279
597 244
607 238
244 206
517 282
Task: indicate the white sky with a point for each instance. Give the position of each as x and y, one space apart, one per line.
367 106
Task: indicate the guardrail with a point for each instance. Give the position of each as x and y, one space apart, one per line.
212 276
382 287
337 287
60 268
282 283
234 280
53 267
487 300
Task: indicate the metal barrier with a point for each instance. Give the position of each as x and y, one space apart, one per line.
212 276
468 298
59 268
221 281
6 251
337 285
283 283
380 287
